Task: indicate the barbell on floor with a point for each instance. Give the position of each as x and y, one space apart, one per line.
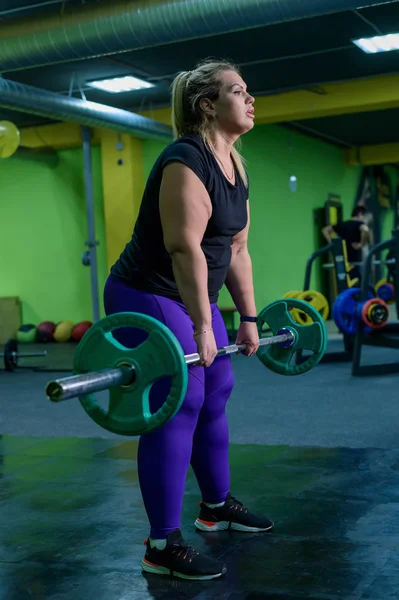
102 363
11 355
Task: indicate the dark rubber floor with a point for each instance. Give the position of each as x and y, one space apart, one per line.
317 453
73 525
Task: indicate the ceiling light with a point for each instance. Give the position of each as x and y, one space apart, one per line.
379 43
116 85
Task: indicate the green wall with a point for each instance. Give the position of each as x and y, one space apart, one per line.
282 234
43 229
43 223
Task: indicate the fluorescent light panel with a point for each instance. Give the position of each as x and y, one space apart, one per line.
116 85
379 43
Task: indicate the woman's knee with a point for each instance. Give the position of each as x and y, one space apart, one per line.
219 384
223 386
192 403
194 398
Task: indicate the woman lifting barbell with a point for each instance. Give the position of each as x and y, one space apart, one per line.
189 239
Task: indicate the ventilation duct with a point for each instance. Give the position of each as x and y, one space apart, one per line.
33 101
99 29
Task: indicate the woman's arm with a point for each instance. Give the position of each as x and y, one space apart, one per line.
364 235
185 210
328 233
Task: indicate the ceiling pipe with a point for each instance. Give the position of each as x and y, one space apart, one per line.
34 101
18 9
112 27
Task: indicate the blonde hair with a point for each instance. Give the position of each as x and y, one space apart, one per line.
188 89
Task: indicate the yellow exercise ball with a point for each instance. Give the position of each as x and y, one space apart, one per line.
63 331
9 139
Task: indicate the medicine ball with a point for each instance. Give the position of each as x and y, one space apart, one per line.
63 331
45 331
80 329
26 334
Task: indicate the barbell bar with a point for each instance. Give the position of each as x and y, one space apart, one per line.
11 355
25 354
78 385
102 363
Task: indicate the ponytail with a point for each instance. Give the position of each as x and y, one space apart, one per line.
179 103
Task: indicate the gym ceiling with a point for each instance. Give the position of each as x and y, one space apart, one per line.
305 73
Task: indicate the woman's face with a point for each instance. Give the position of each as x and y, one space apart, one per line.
233 110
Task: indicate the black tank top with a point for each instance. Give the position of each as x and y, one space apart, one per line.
145 264
350 232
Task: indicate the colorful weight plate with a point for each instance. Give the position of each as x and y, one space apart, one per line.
317 300
375 313
385 290
293 294
307 337
346 310
160 355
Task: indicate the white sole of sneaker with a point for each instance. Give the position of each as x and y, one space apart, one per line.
224 525
157 570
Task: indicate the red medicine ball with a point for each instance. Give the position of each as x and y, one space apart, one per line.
80 329
45 331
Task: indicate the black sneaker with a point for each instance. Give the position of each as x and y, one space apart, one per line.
179 559
232 515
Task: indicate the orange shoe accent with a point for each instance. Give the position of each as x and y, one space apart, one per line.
150 563
209 523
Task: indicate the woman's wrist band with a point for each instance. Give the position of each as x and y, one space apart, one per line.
200 331
244 319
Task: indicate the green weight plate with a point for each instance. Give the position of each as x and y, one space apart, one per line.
307 337
160 355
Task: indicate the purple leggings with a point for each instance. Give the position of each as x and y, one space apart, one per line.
198 433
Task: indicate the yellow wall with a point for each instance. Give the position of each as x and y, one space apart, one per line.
123 186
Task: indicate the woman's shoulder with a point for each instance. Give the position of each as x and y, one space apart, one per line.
190 141
190 149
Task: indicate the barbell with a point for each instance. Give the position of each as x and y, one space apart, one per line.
102 363
11 355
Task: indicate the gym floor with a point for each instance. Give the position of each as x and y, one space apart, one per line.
318 453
